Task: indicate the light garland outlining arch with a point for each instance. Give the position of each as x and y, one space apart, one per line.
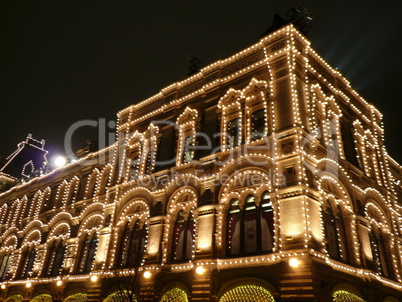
187 123
345 296
79 297
345 202
103 180
174 295
9 244
131 211
60 217
240 179
176 204
246 293
91 183
91 208
300 136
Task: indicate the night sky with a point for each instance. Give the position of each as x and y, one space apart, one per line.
66 61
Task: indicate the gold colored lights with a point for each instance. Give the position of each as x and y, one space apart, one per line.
147 274
94 278
200 270
294 262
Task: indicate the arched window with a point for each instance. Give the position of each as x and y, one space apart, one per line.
233 133
4 266
233 228
330 231
250 225
124 247
131 246
87 255
55 259
251 229
378 250
335 233
183 236
267 223
90 187
27 263
258 129
342 239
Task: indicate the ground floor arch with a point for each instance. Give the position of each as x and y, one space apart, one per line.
78 297
246 293
345 296
175 295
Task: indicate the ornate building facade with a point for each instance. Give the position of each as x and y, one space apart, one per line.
263 177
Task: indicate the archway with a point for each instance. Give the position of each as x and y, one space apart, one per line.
79 297
14 298
42 298
175 295
121 296
345 296
246 293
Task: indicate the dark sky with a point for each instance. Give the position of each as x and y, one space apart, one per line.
66 61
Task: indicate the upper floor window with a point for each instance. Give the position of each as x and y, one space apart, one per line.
151 136
5 265
230 105
27 262
233 133
183 237
131 246
134 169
55 259
187 123
380 262
250 227
335 233
188 150
134 149
87 254
258 129
149 162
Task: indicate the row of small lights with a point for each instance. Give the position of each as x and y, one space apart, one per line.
300 169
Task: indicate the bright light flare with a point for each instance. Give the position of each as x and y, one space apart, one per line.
59 161
94 278
293 262
200 270
147 274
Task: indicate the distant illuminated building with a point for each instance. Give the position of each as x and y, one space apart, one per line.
263 177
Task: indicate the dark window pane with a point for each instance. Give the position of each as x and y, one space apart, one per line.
233 128
258 124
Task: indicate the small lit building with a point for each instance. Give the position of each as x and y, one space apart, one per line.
263 177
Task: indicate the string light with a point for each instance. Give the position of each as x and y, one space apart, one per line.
115 195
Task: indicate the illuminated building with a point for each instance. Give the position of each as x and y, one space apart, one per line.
296 199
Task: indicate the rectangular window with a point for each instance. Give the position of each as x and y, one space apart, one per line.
188 149
233 128
258 124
